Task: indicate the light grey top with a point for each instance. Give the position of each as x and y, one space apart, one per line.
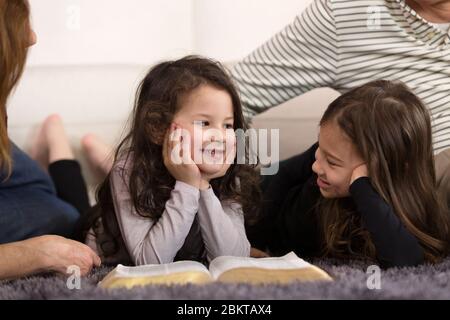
151 242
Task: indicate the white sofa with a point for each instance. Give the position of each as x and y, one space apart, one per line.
99 99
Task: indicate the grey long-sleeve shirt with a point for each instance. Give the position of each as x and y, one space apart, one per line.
221 224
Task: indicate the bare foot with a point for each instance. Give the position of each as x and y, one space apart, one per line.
39 149
99 154
51 143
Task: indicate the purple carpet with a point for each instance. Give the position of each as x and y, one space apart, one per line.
351 282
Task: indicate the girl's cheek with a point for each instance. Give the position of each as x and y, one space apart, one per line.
231 140
195 136
344 185
196 146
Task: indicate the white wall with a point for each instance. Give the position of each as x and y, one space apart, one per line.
228 30
91 54
146 31
110 31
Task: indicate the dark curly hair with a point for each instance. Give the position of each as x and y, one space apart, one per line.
149 182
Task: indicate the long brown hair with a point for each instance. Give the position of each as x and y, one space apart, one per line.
149 182
14 41
391 129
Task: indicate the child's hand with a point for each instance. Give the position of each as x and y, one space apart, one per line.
358 172
256 253
177 157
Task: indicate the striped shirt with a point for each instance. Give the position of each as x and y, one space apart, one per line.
345 43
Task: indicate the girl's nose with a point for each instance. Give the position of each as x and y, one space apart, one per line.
316 168
217 136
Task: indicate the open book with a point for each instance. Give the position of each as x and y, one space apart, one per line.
283 269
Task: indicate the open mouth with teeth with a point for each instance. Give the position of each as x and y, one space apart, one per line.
213 152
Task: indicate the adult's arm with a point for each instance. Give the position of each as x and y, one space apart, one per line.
303 56
44 254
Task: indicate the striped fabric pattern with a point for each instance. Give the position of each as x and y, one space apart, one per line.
345 43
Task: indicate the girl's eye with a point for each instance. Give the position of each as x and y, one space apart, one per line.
331 163
229 126
202 123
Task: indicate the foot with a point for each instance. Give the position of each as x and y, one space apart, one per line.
99 154
51 143
39 149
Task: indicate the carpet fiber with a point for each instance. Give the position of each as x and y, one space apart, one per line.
423 282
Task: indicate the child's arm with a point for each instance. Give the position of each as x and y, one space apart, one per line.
147 241
222 227
395 245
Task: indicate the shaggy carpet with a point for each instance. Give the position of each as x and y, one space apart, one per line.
351 282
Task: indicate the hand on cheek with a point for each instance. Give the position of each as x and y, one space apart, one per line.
358 172
177 157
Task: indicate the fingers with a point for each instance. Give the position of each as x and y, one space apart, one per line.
90 261
180 147
170 149
362 164
166 144
93 258
186 149
88 257
256 253
175 147
96 259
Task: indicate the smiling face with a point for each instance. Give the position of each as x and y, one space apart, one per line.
336 158
206 114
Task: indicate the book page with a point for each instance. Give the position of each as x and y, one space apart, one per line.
265 270
159 269
225 263
180 272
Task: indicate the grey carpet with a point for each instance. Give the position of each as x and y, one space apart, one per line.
423 282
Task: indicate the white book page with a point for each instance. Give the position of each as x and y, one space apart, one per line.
289 261
159 269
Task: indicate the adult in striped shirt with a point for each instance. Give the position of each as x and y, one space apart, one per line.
345 43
